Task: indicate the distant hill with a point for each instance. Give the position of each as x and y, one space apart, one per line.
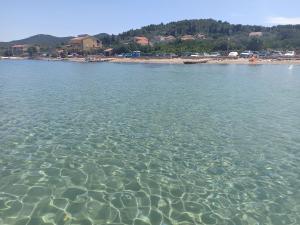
41 39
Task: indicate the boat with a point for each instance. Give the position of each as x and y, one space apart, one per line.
195 62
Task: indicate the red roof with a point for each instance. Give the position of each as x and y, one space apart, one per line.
19 46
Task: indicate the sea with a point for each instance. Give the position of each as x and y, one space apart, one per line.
148 144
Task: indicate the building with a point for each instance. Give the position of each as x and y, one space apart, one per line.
143 41
108 52
25 50
200 36
169 38
85 43
187 38
158 39
164 39
255 34
19 49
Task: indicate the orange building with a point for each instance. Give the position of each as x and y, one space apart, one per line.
19 49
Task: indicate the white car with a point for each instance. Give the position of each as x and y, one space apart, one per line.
290 53
214 54
233 54
196 55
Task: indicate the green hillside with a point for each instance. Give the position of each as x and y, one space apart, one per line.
219 36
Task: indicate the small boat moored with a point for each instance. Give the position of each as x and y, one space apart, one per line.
195 62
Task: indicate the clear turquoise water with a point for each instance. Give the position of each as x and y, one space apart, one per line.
149 144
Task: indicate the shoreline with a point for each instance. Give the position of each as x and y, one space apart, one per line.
176 61
180 61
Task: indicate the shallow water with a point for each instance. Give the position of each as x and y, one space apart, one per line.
149 144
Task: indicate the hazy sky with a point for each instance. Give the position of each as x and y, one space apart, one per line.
23 18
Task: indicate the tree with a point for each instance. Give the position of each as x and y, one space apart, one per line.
121 49
221 45
32 51
255 44
7 53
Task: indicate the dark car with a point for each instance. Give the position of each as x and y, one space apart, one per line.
246 54
264 54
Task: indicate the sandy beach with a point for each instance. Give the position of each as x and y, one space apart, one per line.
208 61
242 61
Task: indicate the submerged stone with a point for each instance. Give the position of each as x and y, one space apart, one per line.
140 222
208 218
72 193
133 186
216 170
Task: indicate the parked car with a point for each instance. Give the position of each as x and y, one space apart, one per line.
264 54
233 54
172 55
214 54
276 54
290 53
246 54
127 55
195 55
